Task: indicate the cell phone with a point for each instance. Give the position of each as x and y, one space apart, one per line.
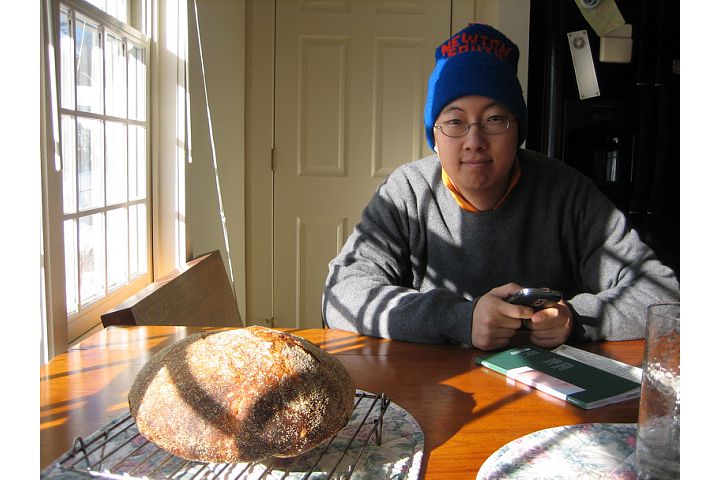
537 298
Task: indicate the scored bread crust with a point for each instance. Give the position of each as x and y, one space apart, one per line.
241 395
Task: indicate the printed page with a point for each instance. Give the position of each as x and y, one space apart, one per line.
604 363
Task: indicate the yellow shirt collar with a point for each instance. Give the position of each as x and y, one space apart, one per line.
469 207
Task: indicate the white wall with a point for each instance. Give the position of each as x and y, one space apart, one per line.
215 187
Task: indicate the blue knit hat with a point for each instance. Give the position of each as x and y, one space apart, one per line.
478 60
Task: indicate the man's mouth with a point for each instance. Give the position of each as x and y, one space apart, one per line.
476 162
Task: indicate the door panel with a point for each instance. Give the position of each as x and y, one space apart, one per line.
398 103
349 95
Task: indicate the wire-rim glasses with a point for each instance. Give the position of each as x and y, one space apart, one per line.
458 128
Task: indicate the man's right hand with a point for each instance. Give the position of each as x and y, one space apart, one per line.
494 320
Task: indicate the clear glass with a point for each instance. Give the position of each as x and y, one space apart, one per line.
137 162
138 239
69 151
98 3
71 278
102 83
118 9
657 453
90 169
104 73
137 77
91 240
117 247
89 66
67 61
116 160
115 77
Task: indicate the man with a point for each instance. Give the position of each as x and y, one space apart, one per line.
446 239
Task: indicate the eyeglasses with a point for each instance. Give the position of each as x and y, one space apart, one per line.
492 124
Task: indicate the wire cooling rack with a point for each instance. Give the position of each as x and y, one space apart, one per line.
119 451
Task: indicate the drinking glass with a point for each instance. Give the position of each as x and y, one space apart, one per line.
657 452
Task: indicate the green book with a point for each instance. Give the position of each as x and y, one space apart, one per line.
568 379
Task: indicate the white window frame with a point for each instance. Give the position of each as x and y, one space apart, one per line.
107 27
168 116
87 319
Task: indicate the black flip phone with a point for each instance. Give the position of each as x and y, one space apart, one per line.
537 298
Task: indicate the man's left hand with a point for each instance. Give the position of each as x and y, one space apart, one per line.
550 327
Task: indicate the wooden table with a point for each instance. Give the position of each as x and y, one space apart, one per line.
466 412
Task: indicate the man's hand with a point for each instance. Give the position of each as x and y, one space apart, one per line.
550 327
495 321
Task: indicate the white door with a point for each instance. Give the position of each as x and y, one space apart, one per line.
350 89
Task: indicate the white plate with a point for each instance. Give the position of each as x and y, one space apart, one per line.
589 450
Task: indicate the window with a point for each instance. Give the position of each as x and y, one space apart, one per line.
103 112
116 8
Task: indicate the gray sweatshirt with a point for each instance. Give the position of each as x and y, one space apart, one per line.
415 264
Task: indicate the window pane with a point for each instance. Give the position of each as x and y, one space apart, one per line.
136 82
118 9
117 247
71 279
69 151
102 82
115 80
88 60
116 171
98 3
137 166
90 163
92 257
67 59
138 239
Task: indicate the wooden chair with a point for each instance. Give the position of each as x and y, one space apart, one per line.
199 294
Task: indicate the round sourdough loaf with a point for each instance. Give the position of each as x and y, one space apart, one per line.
241 395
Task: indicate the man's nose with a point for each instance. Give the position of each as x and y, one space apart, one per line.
476 137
